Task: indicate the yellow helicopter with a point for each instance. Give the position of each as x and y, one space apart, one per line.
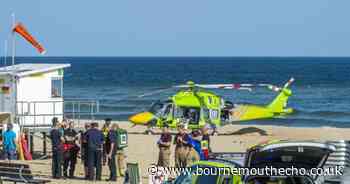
195 106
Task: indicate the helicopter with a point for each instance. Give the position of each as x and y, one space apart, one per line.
195 106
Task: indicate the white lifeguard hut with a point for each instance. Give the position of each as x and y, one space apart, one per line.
32 94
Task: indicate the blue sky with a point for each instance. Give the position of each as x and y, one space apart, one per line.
181 27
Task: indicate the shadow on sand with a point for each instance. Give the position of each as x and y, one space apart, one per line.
248 130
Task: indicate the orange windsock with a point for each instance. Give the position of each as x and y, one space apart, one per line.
21 30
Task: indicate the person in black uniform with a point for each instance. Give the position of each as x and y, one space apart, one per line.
84 149
71 150
111 153
95 141
55 137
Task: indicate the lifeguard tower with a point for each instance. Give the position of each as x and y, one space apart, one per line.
32 94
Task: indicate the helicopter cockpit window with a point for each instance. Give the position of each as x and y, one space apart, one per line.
190 114
168 110
157 108
161 109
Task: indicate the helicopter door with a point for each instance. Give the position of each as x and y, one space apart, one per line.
157 108
192 115
168 111
188 115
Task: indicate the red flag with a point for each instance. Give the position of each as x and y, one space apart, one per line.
21 30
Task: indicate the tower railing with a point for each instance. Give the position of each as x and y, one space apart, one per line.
38 115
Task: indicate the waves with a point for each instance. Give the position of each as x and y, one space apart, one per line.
310 119
336 114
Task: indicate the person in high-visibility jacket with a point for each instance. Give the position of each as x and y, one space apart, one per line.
106 145
205 143
122 143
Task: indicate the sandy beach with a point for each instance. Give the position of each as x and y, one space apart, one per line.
142 148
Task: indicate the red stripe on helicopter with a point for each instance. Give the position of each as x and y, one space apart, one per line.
236 86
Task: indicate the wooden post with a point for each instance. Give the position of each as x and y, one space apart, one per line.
28 139
31 143
44 143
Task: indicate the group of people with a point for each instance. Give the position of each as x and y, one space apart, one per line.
105 146
97 147
189 147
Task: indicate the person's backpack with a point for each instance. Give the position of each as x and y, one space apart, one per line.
122 138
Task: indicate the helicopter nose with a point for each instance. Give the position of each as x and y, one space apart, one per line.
141 118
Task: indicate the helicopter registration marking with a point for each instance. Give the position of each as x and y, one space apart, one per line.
214 114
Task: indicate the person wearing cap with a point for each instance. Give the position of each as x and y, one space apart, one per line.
182 147
9 143
106 145
164 144
57 152
95 140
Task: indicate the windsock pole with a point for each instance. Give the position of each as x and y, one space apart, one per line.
5 53
13 38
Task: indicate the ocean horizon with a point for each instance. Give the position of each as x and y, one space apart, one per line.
320 91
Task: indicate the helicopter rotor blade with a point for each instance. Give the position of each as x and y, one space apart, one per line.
270 87
237 86
182 86
226 86
154 92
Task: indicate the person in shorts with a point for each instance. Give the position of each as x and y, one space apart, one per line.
9 143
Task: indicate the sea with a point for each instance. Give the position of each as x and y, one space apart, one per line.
321 91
